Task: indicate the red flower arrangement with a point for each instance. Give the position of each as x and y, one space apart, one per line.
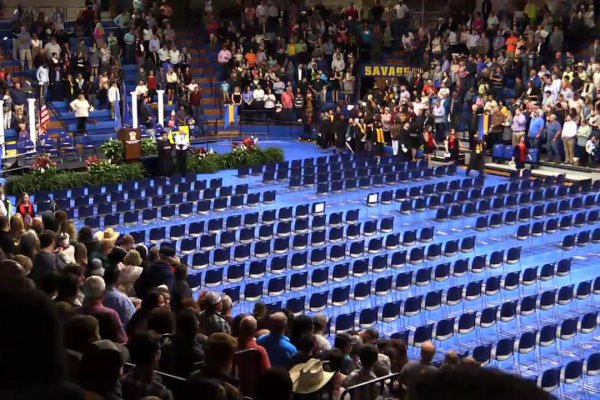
248 143
93 160
44 163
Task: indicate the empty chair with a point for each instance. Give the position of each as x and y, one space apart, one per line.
221 257
157 235
262 249
451 248
318 256
340 296
568 242
434 252
196 229
467 244
409 238
417 255
278 264
257 269
422 334
200 260
583 238
411 306
208 242
299 260
504 349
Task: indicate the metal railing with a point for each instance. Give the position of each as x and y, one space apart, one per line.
367 385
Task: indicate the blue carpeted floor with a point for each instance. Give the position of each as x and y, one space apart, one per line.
440 315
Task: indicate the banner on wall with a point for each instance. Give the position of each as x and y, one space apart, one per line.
388 71
484 125
231 115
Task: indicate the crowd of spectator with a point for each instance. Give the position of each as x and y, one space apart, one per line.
82 307
299 62
90 76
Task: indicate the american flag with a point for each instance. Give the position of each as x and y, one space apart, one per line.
44 118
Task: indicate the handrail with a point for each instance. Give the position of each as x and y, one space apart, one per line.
160 373
381 379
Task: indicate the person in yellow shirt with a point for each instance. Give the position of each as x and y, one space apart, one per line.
531 11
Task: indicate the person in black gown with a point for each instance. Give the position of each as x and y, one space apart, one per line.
164 150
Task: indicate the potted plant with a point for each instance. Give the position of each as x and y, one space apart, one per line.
113 150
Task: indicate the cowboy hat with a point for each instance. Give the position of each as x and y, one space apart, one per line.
107 234
309 377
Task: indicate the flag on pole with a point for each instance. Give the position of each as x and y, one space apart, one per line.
126 118
484 125
231 115
118 119
44 118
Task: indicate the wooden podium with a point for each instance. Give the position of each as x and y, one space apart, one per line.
131 139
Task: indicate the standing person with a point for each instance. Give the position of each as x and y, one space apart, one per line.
439 114
476 162
518 126
452 147
553 129
396 131
520 154
25 209
568 135
429 143
583 135
182 143
164 150
24 46
43 77
6 205
113 98
81 107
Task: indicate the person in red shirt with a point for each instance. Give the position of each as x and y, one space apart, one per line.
213 28
25 208
429 143
152 84
520 154
452 147
247 340
196 104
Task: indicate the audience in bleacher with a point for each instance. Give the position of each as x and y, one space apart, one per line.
528 61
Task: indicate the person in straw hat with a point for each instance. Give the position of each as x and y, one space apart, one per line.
107 234
309 377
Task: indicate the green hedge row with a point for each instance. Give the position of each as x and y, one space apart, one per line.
54 180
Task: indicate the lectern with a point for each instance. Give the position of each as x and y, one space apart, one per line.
131 138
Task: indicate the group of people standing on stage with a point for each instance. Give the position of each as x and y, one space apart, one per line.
177 141
371 127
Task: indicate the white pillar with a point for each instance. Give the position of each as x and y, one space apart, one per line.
2 143
161 107
134 112
31 112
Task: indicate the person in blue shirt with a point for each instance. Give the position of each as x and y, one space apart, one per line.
278 346
114 298
536 129
553 129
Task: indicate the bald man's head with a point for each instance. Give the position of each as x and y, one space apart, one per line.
427 352
278 323
248 326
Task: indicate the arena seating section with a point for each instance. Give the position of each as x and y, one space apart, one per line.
495 269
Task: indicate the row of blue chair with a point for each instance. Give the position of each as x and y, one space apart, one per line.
185 210
508 217
154 185
304 216
343 161
104 203
281 238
